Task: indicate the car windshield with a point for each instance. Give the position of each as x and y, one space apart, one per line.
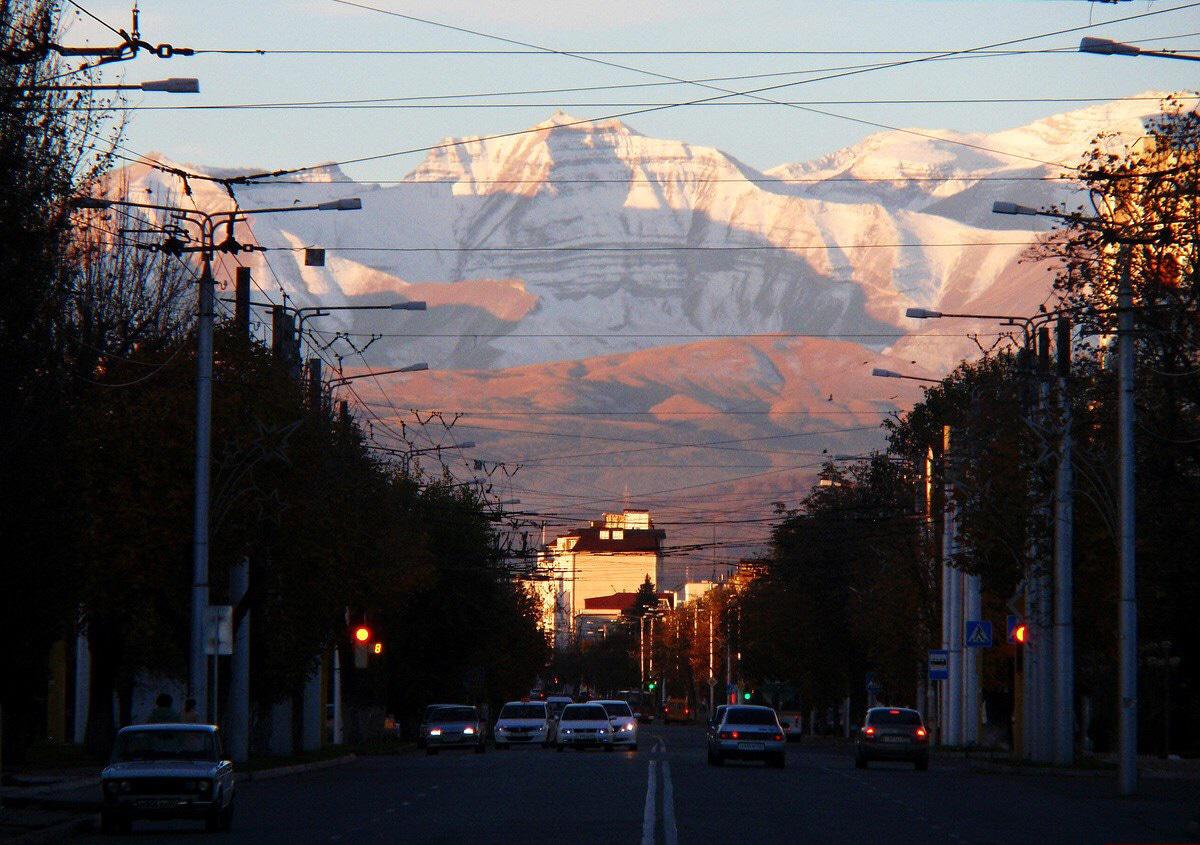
749 716
523 711
451 714
584 713
165 745
615 709
893 717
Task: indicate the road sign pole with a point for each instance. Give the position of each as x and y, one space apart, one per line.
973 610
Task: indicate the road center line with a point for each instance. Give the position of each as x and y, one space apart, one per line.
670 831
648 811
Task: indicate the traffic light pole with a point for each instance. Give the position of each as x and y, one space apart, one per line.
1064 638
1127 774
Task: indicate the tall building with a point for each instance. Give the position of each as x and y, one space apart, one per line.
611 555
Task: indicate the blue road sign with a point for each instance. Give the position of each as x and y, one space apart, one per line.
939 665
979 634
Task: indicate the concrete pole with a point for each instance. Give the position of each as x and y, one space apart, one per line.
954 597
711 677
197 665
1127 773
1064 515
1044 620
338 732
238 728
972 609
83 685
311 718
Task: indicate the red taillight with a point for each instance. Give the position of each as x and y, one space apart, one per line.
920 733
869 731
729 734
894 712
778 737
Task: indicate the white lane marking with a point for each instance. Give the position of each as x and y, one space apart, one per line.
648 811
670 831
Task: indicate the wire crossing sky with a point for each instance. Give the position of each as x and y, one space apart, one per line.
349 53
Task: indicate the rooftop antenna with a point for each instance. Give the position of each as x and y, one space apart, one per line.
135 35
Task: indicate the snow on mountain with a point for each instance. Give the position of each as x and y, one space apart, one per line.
580 267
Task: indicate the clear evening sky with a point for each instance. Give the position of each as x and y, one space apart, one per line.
761 135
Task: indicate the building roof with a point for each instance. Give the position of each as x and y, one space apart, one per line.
620 601
633 540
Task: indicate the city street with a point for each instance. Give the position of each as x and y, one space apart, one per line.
666 793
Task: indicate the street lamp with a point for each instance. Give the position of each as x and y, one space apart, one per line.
879 372
418 367
1127 614
1107 47
205 226
174 85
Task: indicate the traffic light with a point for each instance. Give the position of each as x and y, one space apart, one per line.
362 633
1019 634
1018 631
746 695
653 684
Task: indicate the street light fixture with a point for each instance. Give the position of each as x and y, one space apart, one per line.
1107 47
879 372
205 226
174 85
418 367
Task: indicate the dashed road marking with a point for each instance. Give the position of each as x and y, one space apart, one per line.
670 831
648 809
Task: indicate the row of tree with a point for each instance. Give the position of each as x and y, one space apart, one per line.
96 444
851 586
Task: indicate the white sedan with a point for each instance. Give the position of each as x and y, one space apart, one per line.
583 726
522 723
624 723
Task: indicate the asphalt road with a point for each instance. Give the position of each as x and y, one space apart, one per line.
666 793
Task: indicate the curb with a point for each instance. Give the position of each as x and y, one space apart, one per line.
299 768
54 833
1144 774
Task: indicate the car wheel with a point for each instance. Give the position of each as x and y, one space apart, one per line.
480 748
430 751
633 747
212 820
559 748
860 762
125 825
922 764
227 817
777 761
608 748
717 759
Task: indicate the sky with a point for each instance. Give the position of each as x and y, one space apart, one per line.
834 34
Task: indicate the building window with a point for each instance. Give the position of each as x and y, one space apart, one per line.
618 534
604 534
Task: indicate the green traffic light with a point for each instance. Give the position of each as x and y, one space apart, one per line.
746 696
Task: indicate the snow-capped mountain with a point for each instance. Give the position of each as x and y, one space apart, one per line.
583 267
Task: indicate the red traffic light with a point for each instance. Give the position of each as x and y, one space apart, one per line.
362 633
1018 634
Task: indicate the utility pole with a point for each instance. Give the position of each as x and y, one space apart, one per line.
241 302
1064 515
204 226
239 665
711 677
952 578
1127 773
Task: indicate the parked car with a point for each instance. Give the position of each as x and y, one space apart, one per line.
892 733
676 710
167 771
623 722
453 726
746 732
584 726
522 723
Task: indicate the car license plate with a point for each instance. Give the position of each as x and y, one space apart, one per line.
155 803
895 739
751 746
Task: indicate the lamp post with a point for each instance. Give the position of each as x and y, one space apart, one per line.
418 367
205 227
879 372
1126 521
173 85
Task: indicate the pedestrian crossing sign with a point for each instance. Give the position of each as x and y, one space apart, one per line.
979 634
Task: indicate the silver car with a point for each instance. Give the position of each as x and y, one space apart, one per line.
746 732
167 771
453 726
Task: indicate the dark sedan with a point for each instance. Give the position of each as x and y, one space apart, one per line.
892 733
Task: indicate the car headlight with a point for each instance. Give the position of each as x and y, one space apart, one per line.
190 786
204 785
500 729
468 731
628 726
110 786
566 730
126 786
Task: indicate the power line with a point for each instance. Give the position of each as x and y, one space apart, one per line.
662 248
